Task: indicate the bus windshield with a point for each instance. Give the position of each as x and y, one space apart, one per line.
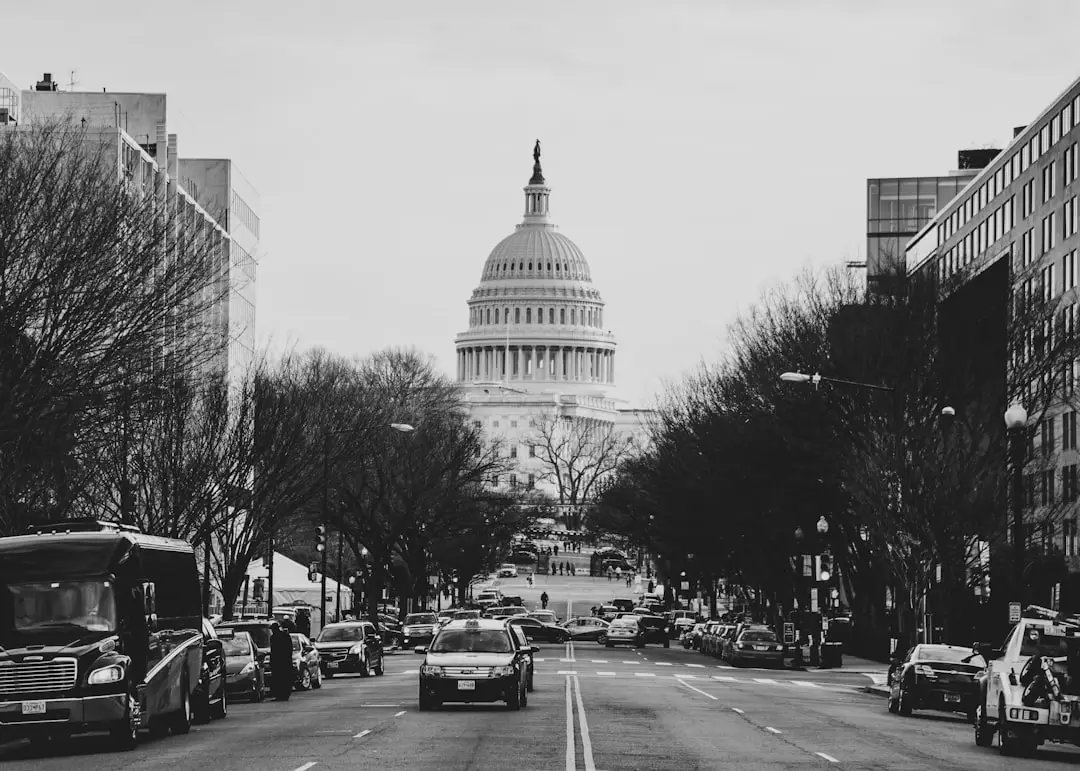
53 606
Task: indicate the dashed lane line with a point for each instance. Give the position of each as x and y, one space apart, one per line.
606 674
700 666
306 766
399 714
360 735
829 758
698 690
736 709
772 730
664 664
645 674
566 672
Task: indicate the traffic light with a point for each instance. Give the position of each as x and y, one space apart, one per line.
320 538
825 567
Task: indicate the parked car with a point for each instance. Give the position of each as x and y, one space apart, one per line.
935 677
243 673
691 638
350 646
209 701
306 663
538 631
756 645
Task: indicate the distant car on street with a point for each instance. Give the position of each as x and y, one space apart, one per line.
756 645
508 570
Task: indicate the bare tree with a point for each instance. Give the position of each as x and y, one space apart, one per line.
101 280
578 453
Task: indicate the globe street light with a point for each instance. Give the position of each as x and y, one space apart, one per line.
1016 424
822 525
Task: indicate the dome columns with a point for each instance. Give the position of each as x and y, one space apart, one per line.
537 362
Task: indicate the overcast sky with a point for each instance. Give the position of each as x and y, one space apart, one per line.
698 152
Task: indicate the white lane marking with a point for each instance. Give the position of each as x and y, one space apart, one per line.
606 674
699 666
571 760
663 663
805 684
736 709
685 677
598 661
629 662
829 758
379 705
360 735
703 693
539 659
765 681
770 729
645 674
399 714
725 679
586 742
306 766
566 672
566 660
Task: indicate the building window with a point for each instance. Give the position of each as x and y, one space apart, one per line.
1049 181
1048 288
532 481
1046 487
513 451
1049 234
528 315
488 316
513 424
1068 431
517 315
1047 431
551 315
573 315
496 315
532 450
477 424
1068 379
562 315
1026 202
1068 528
494 424
1068 270
513 481
1070 164
1068 218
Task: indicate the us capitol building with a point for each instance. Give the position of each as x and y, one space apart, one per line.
536 366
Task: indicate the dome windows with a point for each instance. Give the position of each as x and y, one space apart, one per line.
562 311
528 315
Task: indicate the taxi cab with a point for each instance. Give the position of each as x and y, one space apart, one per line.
474 660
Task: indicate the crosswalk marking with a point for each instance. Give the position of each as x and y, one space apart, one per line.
804 684
567 672
765 680
725 679
701 666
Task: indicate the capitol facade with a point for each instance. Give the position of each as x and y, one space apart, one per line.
536 367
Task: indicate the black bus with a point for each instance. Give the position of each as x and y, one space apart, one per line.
100 630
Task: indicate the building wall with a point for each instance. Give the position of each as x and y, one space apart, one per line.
138 115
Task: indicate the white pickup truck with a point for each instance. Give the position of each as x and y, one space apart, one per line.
1030 689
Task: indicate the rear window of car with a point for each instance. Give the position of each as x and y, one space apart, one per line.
652 621
630 621
758 635
420 618
260 633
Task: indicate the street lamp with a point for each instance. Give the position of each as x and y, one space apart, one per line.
822 525
1016 423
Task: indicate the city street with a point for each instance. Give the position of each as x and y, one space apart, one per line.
593 708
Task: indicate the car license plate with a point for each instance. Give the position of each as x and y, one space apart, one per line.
952 697
466 685
761 647
331 665
33 708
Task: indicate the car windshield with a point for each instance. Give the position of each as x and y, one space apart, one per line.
759 636
947 654
466 614
341 634
420 618
89 605
236 647
296 642
472 641
260 634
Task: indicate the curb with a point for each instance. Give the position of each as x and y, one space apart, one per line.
877 690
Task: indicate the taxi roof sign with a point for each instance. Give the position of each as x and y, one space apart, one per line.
472 623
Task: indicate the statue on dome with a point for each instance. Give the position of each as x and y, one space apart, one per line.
537 175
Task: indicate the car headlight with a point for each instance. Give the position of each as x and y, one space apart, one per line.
357 649
113 673
248 669
502 671
431 670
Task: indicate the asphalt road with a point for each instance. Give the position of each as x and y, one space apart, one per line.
593 709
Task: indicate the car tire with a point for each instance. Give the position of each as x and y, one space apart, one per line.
1019 744
181 722
316 681
529 684
220 711
904 705
379 667
894 704
514 702
984 734
667 643
365 668
305 680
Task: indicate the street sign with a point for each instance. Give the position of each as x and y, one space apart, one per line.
685 586
789 633
1014 612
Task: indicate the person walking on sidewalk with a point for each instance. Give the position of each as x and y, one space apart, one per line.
544 600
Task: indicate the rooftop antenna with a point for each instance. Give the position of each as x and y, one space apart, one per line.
72 82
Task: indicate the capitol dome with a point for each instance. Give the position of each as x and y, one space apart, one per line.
536 318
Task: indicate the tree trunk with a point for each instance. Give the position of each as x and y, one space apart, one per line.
231 583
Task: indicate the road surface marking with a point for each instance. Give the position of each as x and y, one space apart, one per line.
539 659
566 672
360 735
629 662
606 674
598 661
566 660
340 731
380 705
645 674
586 743
805 684
878 679
700 666
829 758
399 714
770 729
765 681
571 761
685 677
736 709
663 663
725 678
703 693
306 766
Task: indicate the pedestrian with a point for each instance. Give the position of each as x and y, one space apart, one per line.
556 550
281 669
544 600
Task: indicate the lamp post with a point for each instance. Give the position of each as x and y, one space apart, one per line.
1016 423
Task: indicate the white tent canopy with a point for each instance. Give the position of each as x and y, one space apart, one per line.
291 585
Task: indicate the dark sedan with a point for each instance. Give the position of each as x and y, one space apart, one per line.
935 677
655 629
244 673
537 631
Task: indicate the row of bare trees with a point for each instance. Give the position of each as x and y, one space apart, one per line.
742 464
